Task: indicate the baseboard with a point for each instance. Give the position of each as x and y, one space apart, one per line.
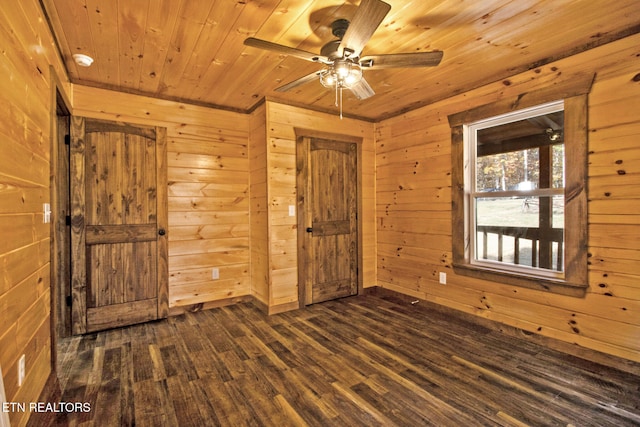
262 306
552 343
281 308
268 310
192 308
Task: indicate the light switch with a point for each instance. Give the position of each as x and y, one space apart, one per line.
46 208
292 210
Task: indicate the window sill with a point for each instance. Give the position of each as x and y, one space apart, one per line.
556 286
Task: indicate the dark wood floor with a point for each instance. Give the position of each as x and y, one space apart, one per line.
361 361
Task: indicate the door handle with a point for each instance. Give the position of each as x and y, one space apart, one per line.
162 232
309 230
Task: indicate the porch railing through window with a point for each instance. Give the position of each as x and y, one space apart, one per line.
521 246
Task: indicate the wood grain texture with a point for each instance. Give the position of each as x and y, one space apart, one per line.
327 232
259 212
366 360
285 123
207 222
119 220
28 59
195 51
412 189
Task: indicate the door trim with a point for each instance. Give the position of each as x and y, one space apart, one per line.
303 188
59 315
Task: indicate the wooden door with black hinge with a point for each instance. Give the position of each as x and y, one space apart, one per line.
327 219
118 224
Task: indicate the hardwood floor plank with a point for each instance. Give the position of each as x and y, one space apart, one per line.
290 413
171 361
358 361
222 408
511 420
180 397
360 401
107 403
127 400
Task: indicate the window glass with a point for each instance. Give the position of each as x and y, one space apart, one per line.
517 191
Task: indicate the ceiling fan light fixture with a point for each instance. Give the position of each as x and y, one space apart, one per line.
342 74
342 57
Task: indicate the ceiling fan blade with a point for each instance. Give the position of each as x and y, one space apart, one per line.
362 90
401 60
285 50
298 82
365 22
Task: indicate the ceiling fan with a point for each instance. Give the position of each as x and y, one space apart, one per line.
341 58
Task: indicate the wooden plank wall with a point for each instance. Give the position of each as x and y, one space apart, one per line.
414 209
213 218
208 162
26 106
259 209
281 192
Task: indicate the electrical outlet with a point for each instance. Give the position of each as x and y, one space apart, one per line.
21 369
215 273
292 210
443 278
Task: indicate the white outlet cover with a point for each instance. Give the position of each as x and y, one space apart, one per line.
292 210
443 278
215 273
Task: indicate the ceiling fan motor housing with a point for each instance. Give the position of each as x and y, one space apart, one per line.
339 27
331 49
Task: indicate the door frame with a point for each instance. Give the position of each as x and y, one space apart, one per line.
60 121
303 189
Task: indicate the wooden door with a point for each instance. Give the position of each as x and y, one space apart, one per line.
327 224
118 224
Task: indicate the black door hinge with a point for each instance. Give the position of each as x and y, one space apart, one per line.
67 220
68 300
67 140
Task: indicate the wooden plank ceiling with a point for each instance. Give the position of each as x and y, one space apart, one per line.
193 51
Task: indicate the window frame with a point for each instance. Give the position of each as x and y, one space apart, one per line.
470 135
574 92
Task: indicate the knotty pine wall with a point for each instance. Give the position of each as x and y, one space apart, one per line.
214 220
208 173
414 209
259 209
26 105
281 192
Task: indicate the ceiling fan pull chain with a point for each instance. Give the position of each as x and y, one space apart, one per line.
341 103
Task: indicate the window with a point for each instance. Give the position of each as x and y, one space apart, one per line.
519 191
516 190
